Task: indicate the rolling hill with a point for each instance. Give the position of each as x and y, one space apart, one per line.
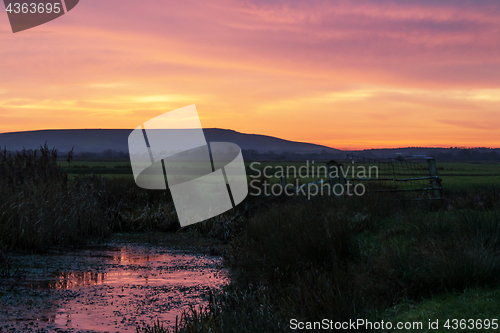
99 140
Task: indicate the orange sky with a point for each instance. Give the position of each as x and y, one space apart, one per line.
372 74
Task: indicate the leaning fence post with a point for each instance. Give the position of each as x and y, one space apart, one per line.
331 166
431 163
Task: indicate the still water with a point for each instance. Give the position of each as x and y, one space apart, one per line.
111 288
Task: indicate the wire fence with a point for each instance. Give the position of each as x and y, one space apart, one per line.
415 179
405 179
400 178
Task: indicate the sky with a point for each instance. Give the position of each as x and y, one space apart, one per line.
345 74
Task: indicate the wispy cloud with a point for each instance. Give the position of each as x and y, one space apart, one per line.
473 125
382 71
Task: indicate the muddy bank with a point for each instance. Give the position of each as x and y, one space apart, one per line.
131 281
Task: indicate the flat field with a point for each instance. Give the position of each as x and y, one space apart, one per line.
455 175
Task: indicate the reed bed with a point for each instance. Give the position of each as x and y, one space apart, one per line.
354 258
39 207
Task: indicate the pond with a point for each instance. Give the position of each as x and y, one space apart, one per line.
106 288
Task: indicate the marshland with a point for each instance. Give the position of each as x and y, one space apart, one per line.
84 249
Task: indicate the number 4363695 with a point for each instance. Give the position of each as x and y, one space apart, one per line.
34 8
471 324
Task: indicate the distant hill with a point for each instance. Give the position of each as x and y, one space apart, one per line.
99 140
96 141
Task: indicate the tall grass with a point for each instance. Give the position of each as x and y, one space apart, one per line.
354 258
285 239
39 207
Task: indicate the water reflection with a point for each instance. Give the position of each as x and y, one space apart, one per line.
124 287
67 280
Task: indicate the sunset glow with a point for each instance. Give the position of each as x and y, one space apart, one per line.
349 75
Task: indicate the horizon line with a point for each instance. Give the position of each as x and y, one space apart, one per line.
227 129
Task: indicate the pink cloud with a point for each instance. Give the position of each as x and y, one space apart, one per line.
251 57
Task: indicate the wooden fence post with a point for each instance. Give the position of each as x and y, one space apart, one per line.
436 185
330 166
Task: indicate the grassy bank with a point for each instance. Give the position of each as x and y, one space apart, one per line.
369 258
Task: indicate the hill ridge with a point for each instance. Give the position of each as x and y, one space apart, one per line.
98 140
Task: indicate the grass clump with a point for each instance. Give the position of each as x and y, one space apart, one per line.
39 207
288 238
246 311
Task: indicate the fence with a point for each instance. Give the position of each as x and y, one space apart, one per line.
403 179
415 179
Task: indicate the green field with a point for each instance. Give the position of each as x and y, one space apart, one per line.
454 175
467 175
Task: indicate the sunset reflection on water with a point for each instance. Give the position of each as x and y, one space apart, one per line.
124 287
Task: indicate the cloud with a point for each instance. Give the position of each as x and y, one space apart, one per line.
473 125
250 64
